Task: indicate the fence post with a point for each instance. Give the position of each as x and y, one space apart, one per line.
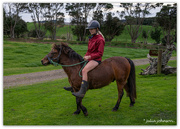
159 65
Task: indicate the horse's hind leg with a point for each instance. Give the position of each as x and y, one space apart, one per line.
132 100
120 86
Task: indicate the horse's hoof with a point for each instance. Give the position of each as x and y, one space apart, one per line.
86 114
76 112
114 109
131 104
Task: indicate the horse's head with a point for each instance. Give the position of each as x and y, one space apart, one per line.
53 55
59 53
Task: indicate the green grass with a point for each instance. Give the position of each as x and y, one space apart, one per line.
49 104
21 57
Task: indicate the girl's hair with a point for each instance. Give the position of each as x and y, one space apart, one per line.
99 32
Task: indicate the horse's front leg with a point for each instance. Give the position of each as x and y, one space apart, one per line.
80 107
83 108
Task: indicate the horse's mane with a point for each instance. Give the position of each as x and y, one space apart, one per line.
69 51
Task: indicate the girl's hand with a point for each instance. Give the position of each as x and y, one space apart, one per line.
87 57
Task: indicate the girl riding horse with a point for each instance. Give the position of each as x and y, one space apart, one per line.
94 55
119 69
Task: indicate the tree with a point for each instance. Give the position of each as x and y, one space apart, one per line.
145 36
135 13
100 11
20 28
167 20
54 18
6 24
36 10
79 13
112 27
13 10
156 35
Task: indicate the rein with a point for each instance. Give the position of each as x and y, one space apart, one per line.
57 63
85 62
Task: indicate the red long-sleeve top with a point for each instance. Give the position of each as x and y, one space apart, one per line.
96 48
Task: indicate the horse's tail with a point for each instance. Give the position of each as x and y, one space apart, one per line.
132 80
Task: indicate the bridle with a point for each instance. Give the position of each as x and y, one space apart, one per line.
57 58
57 63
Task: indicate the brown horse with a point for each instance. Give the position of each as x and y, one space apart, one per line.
115 68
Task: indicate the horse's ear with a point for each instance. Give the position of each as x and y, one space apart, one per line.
64 44
54 46
65 48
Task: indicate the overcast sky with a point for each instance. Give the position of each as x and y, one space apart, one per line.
27 16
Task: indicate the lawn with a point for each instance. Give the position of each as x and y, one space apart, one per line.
49 104
21 57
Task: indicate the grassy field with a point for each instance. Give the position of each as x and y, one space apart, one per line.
20 57
49 104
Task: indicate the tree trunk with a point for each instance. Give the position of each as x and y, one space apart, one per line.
166 55
133 40
13 33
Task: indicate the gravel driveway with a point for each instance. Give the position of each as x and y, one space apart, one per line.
31 78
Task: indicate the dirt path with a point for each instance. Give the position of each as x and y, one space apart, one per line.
31 78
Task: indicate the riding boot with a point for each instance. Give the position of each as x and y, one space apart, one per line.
82 90
69 88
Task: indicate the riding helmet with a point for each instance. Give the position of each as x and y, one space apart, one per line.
93 24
